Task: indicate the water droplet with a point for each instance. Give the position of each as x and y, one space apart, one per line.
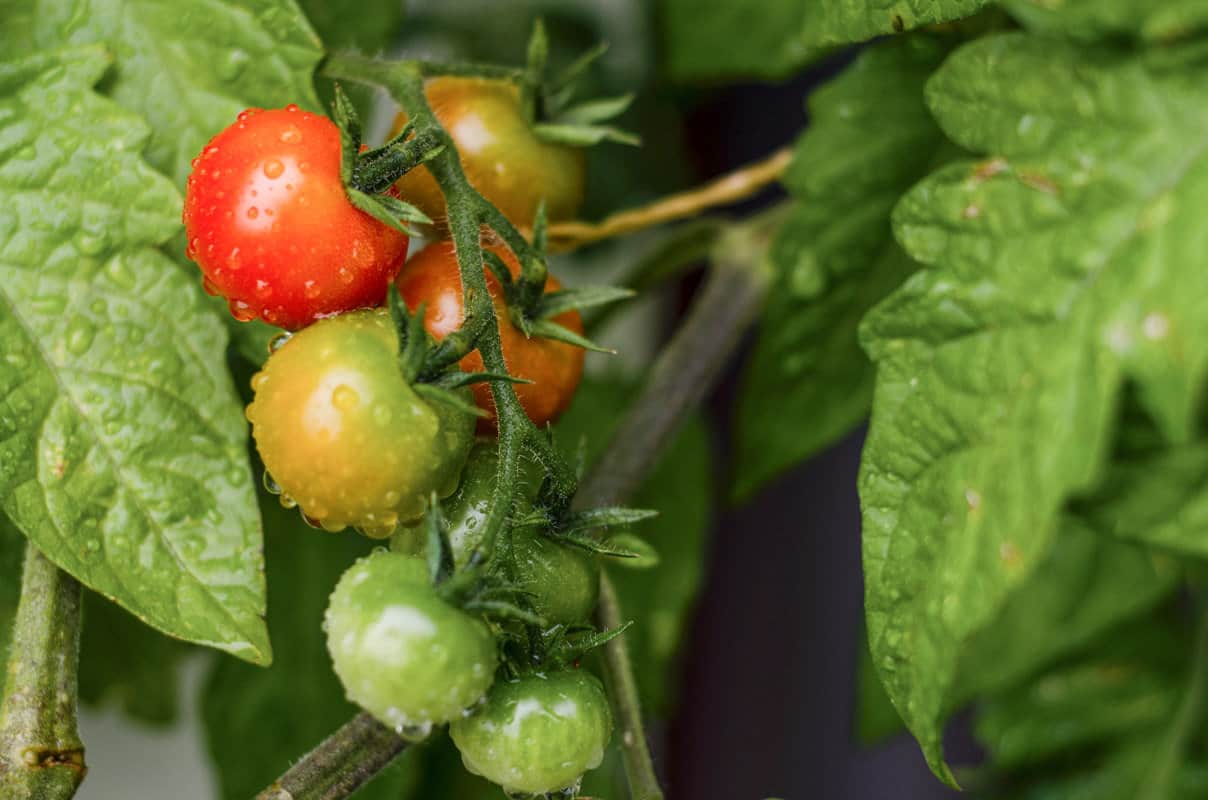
291 135
241 311
264 290
210 287
234 262
252 212
292 107
275 343
382 416
414 733
51 305
79 335
311 289
120 273
273 168
287 501
230 67
90 244
345 398
92 545
311 521
346 275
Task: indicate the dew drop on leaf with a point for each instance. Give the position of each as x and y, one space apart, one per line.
79 336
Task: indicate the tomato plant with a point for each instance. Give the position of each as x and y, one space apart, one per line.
554 368
977 259
268 222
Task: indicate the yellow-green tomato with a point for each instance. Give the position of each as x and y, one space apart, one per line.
501 155
403 654
344 435
538 734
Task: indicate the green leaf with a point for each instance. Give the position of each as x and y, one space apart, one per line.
1059 268
594 111
122 661
188 67
560 333
1161 499
583 135
1086 583
1152 21
871 138
1128 682
367 25
553 304
259 721
707 39
658 599
121 438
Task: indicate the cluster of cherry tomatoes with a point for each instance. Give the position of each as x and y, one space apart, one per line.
351 442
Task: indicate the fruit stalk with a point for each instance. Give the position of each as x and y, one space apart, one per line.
41 755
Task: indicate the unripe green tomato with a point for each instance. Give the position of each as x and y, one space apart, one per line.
403 654
562 581
343 434
538 734
465 510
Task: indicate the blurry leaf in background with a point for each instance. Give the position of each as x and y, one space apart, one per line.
126 663
259 721
1130 680
659 600
1153 20
714 39
870 138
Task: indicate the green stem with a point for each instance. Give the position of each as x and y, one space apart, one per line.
341 764
41 755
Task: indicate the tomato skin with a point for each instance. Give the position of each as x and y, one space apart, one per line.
538 734
502 157
269 223
403 654
562 582
345 436
555 368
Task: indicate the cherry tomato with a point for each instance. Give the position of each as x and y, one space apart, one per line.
431 277
270 225
343 434
466 509
502 157
561 582
538 734
403 654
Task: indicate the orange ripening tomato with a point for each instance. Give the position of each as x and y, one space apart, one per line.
555 368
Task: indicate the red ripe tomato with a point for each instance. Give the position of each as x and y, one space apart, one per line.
431 277
272 229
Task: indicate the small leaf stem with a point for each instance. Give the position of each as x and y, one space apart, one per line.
41 755
730 188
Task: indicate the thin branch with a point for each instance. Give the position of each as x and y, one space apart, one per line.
341 764
730 188
41 755
681 377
